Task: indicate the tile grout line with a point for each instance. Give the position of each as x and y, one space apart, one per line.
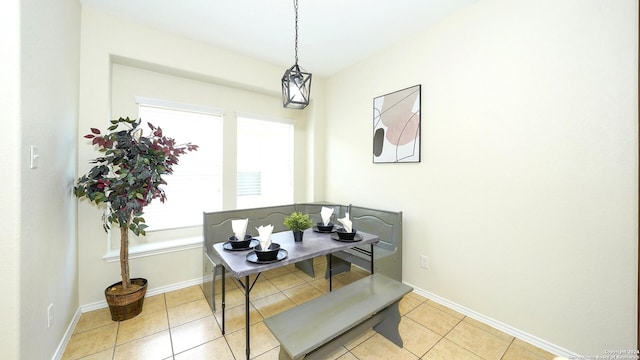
421 302
508 347
447 333
166 309
425 302
511 341
115 342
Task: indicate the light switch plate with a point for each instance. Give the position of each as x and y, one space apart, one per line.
33 156
49 315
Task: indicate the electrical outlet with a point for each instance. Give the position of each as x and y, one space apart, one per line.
49 315
424 262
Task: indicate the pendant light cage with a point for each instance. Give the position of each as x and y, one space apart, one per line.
296 88
296 82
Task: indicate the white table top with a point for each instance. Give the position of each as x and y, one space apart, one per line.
313 244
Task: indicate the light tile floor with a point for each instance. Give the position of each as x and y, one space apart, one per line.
180 325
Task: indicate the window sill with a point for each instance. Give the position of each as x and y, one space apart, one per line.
164 247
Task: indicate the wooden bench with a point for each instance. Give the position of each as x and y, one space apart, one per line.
318 327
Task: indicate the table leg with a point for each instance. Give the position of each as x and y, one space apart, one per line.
223 297
247 286
246 301
372 258
330 273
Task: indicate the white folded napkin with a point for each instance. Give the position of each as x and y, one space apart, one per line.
326 213
265 236
239 228
346 222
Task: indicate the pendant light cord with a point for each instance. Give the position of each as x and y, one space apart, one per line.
295 6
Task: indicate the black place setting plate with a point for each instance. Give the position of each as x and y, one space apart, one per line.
333 229
253 258
356 238
227 246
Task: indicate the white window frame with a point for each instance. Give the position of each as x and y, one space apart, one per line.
162 246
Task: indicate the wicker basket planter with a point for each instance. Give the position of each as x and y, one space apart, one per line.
126 306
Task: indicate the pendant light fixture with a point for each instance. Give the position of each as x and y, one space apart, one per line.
296 82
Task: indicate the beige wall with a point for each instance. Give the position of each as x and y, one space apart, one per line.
39 104
224 79
526 196
49 117
10 168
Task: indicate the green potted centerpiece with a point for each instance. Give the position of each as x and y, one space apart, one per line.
125 179
298 222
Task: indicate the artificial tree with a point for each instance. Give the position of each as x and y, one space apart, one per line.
127 177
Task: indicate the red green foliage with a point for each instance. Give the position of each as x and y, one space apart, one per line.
129 175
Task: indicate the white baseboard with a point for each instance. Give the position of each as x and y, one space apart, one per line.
67 336
531 339
151 292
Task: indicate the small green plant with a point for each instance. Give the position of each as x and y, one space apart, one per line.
298 221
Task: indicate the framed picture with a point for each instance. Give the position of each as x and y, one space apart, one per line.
396 126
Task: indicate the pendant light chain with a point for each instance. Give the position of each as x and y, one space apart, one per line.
295 6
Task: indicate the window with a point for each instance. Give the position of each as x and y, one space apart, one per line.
195 185
265 162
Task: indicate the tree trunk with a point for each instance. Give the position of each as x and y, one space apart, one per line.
124 256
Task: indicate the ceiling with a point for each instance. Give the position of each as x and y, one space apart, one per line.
333 34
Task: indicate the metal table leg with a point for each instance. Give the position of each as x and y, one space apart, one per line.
246 286
223 297
372 258
330 273
246 303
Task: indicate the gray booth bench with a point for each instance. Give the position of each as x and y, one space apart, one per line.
387 225
304 332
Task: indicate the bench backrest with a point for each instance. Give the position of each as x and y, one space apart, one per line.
386 224
314 209
388 251
217 225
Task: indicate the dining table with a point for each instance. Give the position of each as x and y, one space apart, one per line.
242 264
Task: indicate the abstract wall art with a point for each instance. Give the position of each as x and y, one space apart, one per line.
396 126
